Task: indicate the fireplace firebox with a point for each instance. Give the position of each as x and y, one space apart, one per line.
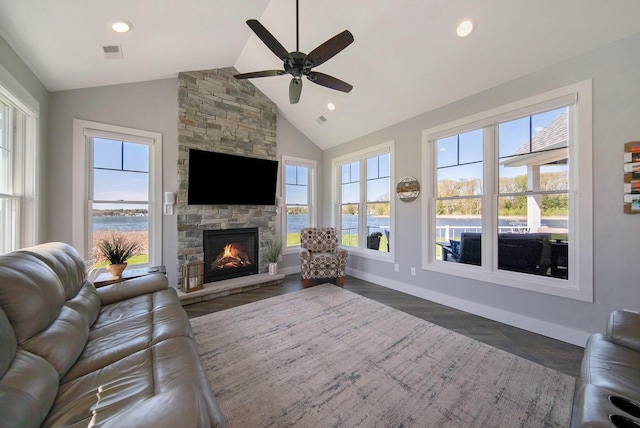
230 253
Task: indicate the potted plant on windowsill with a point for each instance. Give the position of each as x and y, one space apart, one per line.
117 249
273 250
373 240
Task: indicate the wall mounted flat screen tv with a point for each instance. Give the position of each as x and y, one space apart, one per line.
223 179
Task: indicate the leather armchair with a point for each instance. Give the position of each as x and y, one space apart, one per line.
321 256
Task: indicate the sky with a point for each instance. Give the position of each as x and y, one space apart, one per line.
121 172
512 135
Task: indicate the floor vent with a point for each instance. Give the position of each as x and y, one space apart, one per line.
112 51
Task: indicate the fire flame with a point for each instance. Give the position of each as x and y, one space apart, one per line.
230 251
230 257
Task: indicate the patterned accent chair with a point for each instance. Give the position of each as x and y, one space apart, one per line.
321 256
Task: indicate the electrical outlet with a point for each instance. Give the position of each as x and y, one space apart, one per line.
413 271
396 267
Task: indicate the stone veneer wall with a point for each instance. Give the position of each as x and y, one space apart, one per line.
219 113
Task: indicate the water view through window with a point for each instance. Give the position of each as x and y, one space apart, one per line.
120 189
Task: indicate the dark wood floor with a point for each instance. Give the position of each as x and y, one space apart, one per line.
540 349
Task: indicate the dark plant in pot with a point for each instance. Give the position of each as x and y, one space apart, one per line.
117 249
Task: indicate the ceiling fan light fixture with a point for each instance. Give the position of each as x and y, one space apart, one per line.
465 27
295 89
121 26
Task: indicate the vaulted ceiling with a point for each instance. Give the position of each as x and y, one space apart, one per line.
406 58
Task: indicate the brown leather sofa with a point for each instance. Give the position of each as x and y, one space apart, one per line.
608 390
73 355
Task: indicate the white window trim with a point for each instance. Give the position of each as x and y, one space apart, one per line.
312 198
579 286
81 216
336 163
26 168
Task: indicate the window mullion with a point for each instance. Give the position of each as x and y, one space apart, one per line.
362 210
490 198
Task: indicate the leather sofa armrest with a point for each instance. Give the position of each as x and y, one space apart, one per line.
623 328
132 288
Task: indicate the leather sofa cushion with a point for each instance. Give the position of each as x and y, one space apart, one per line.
594 408
118 340
610 366
134 382
62 341
131 288
22 275
65 262
623 328
8 344
193 411
32 296
27 391
134 306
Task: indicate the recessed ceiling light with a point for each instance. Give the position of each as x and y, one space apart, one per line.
464 28
331 106
121 26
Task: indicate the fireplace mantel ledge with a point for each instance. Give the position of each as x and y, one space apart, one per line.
226 287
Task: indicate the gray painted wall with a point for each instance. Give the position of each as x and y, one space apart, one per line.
616 112
150 106
292 142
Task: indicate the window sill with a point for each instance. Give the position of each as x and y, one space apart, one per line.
535 283
370 254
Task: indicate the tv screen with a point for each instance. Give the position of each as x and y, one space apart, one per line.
222 179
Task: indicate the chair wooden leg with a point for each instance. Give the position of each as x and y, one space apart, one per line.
341 281
305 282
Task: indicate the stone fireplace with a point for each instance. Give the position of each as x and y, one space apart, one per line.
219 113
230 253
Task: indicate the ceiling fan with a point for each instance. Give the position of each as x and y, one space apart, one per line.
298 64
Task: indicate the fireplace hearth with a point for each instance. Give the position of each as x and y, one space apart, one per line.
230 253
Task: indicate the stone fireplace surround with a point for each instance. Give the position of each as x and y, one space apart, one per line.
219 113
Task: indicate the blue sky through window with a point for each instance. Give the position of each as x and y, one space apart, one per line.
121 171
513 134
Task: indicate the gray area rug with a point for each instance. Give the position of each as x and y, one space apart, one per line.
327 357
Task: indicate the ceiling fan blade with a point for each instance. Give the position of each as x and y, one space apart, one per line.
329 48
266 73
268 39
329 81
295 89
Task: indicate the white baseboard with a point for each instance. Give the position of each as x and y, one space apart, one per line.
554 331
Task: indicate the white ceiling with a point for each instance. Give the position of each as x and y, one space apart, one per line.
406 58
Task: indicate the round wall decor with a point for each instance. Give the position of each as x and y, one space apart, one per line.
408 189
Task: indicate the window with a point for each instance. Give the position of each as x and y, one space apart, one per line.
504 206
119 191
299 198
18 123
364 195
120 194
